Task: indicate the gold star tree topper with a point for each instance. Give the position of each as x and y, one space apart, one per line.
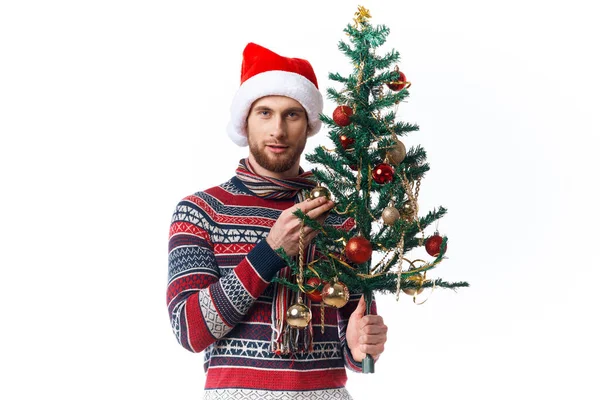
361 16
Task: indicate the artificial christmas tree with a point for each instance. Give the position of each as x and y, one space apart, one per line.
372 178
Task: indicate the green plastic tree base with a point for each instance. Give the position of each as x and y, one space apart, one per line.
368 365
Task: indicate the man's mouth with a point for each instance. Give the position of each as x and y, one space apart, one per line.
277 148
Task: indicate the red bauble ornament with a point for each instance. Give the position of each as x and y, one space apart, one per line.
341 115
383 173
358 250
315 294
399 84
433 245
346 141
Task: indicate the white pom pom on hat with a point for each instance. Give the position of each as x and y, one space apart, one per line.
266 73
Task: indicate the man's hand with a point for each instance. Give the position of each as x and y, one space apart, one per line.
286 230
366 334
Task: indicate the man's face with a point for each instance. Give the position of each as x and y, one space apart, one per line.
277 129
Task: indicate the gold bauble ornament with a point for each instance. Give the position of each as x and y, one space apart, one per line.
396 154
320 191
407 211
418 279
298 315
390 215
335 294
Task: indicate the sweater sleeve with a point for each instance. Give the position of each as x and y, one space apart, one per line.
343 317
203 305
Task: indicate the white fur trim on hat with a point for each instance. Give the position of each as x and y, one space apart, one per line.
279 83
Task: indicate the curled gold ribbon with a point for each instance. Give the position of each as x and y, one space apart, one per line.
344 263
407 83
430 293
370 276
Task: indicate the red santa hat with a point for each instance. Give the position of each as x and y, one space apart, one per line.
266 73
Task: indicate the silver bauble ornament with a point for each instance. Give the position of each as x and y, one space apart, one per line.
396 154
390 215
377 92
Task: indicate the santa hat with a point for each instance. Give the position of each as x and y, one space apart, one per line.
266 73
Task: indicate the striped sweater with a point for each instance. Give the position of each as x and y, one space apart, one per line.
219 300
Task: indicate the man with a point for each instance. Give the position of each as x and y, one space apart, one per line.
222 255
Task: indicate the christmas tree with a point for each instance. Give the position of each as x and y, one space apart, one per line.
373 179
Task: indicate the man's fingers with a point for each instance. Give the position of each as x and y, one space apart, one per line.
374 350
375 330
372 319
372 339
315 212
308 205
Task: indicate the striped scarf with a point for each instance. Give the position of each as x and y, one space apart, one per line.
284 340
273 188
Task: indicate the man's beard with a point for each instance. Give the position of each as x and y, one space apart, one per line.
276 162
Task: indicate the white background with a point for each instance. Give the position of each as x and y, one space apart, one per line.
112 111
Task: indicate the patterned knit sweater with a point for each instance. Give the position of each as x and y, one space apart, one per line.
219 299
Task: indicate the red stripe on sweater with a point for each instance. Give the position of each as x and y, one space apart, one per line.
199 338
188 282
246 200
236 219
348 224
275 379
235 248
250 278
189 228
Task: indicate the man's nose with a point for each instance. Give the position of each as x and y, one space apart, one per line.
279 128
